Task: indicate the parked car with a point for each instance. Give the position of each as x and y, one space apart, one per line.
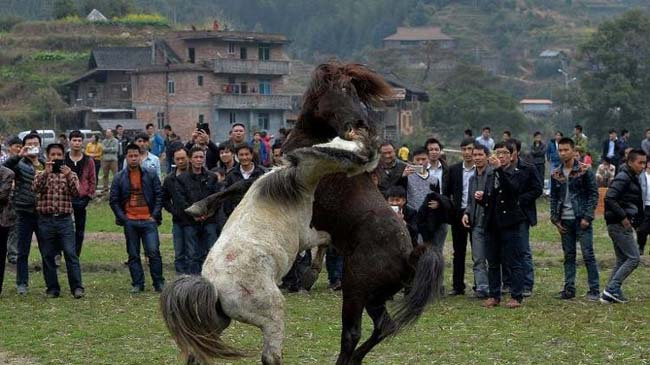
47 136
87 133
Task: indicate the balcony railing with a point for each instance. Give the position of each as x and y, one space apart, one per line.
102 103
252 101
253 67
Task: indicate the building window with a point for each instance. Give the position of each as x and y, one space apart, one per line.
233 117
201 119
264 52
171 87
199 80
191 53
231 47
263 120
265 87
243 53
160 120
243 88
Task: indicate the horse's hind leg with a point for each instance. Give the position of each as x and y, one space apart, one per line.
351 332
383 327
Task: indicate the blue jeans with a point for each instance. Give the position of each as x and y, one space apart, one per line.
137 231
57 234
26 226
181 260
505 248
334 265
569 241
79 205
627 256
199 238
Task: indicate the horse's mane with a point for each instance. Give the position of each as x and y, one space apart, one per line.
370 87
282 185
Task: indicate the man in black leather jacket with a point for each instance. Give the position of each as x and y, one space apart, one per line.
624 213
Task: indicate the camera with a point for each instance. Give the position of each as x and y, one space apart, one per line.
33 150
56 166
395 208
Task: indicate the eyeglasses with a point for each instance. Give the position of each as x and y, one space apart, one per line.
502 153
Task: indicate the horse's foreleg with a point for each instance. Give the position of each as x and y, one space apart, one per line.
383 327
351 332
320 239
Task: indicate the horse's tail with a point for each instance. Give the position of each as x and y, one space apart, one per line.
426 286
191 310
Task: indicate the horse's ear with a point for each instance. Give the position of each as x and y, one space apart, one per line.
370 86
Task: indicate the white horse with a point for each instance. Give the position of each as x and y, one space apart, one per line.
257 247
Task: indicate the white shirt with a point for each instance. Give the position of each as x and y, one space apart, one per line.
646 198
467 173
437 173
246 174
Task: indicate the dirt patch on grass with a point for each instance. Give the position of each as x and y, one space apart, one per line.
9 359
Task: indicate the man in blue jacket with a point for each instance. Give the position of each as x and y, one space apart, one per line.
136 201
574 195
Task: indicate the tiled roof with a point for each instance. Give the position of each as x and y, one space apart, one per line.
418 34
120 58
232 36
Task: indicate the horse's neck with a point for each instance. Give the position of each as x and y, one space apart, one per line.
301 138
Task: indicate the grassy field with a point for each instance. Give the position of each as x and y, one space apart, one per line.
111 326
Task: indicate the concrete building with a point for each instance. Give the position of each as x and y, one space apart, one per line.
215 77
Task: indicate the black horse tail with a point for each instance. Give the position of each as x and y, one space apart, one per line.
425 287
192 313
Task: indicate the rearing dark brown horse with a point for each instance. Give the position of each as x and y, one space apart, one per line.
379 258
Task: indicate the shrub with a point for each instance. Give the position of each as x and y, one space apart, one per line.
142 20
8 22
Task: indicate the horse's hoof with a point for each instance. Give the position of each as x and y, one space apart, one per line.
309 278
196 210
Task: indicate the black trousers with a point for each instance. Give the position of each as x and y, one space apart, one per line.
644 230
4 235
459 235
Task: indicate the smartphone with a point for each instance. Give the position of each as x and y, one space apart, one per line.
418 169
202 126
395 208
56 166
34 150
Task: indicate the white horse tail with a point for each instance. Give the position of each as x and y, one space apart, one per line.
193 315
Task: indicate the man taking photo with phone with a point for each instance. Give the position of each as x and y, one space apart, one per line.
55 187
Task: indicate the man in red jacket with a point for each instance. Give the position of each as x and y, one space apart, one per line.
84 167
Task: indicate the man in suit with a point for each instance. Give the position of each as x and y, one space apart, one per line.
504 218
459 175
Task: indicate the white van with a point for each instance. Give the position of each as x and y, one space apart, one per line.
47 136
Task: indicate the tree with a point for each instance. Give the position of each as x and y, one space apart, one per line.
615 79
470 98
63 8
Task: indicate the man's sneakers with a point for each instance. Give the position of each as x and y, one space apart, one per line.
566 294
21 289
612 297
593 295
79 293
136 290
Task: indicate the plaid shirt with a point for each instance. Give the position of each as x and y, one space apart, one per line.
54 192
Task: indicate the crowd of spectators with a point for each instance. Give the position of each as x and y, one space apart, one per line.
487 200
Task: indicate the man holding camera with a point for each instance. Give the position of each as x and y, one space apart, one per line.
55 187
201 137
25 165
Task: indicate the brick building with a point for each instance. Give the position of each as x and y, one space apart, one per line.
215 77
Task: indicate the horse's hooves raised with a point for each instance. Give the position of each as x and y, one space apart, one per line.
309 278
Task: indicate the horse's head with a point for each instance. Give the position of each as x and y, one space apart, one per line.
337 104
